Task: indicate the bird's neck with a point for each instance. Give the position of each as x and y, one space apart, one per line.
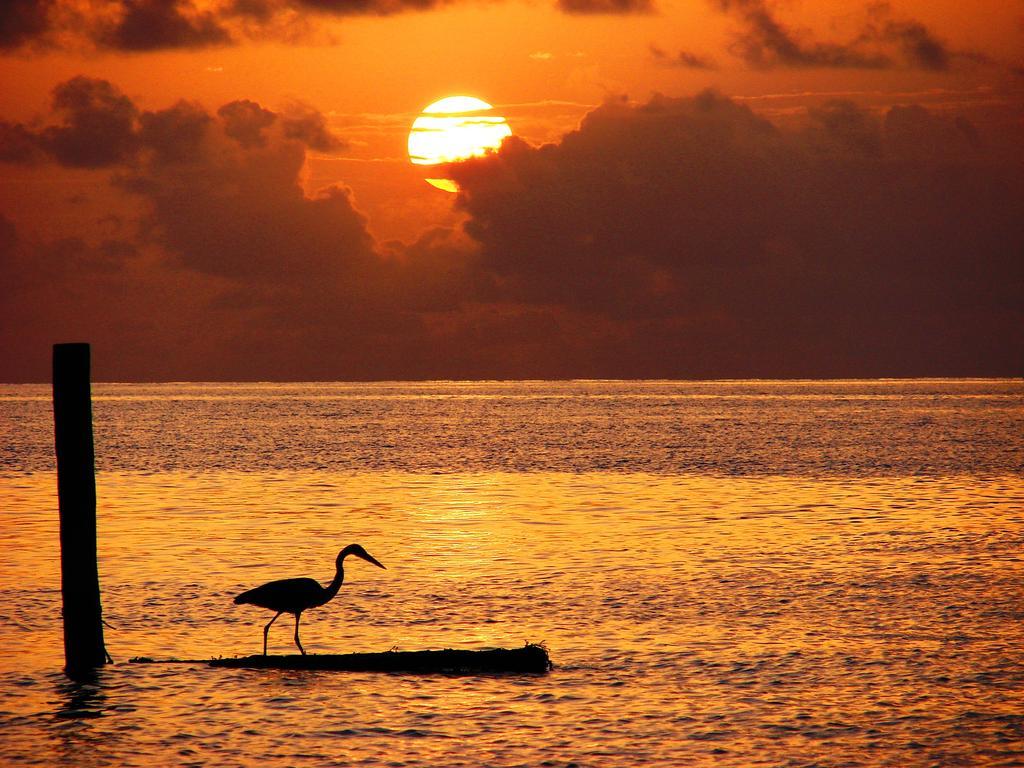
335 585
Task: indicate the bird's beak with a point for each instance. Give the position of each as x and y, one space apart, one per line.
371 559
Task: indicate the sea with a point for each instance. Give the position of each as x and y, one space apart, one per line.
725 573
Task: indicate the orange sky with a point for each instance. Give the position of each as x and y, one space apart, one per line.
369 73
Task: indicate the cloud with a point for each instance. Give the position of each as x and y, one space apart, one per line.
241 214
915 133
228 262
683 59
99 127
125 25
175 135
840 124
19 144
764 42
223 194
362 7
8 238
719 244
148 25
309 126
581 7
23 21
245 121
919 46
153 25
678 238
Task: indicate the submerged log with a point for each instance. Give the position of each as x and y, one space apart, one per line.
530 659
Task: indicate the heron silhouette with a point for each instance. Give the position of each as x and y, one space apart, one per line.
296 595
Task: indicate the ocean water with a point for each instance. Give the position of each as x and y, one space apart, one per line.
745 573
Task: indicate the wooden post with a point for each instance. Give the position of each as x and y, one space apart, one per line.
76 491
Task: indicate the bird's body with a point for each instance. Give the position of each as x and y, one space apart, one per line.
297 595
288 595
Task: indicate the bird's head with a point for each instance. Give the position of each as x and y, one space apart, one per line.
358 551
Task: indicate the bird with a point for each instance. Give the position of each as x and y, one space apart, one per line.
296 595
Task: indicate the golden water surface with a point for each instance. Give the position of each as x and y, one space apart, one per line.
783 614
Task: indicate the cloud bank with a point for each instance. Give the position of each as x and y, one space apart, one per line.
683 237
762 40
765 42
135 26
720 245
682 59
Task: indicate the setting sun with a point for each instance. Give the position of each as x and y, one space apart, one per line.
452 129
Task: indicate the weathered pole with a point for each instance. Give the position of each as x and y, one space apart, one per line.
76 491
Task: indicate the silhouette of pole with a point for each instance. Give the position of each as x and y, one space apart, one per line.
76 491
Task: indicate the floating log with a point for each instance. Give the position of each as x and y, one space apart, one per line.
530 659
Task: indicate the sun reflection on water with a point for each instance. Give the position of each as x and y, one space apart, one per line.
694 618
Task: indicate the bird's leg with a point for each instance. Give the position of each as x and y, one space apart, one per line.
297 634
266 629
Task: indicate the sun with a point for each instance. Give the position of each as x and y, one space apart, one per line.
452 129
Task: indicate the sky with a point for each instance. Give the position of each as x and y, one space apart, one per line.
693 189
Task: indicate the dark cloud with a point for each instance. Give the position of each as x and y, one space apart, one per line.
97 128
151 25
30 266
241 214
175 135
683 59
913 132
309 126
101 127
107 257
765 42
245 121
917 43
23 21
842 124
676 238
148 25
721 245
363 7
8 238
241 263
19 144
235 208
438 273
266 10
254 10
605 6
